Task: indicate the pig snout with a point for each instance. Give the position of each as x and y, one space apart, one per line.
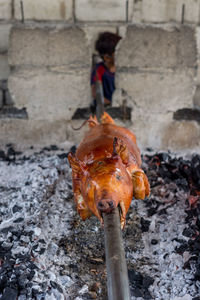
106 205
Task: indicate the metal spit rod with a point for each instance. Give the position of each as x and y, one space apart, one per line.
117 275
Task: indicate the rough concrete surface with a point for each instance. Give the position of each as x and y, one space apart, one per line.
48 47
154 92
103 10
44 10
181 134
4 37
162 132
146 47
4 67
5 9
156 10
50 95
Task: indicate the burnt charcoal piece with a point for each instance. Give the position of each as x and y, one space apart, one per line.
139 284
144 224
56 286
18 220
73 149
185 169
195 165
54 147
16 208
42 251
189 232
9 294
181 248
62 155
154 242
182 184
11 152
2 155
164 157
152 211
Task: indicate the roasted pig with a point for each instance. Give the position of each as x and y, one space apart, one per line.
106 170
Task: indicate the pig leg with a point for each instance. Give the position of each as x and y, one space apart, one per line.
123 214
141 188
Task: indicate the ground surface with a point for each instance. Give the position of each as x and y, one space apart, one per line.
47 252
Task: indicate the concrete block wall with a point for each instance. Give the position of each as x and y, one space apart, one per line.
158 80
46 59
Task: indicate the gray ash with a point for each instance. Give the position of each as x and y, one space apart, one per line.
47 252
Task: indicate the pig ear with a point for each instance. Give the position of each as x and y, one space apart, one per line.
119 148
76 165
141 188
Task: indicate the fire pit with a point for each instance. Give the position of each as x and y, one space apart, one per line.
47 252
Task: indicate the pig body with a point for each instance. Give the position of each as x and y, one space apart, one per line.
106 170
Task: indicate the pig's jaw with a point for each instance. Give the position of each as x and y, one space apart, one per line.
107 205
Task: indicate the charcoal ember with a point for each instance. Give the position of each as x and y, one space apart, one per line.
182 183
16 208
2 155
144 224
73 149
188 232
182 248
139 284
185 169
56 286
164 157
195 165
9 294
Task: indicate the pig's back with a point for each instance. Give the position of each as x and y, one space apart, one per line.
98 143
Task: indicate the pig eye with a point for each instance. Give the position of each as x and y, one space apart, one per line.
118 177
100 163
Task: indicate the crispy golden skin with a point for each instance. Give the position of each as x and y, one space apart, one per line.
106 170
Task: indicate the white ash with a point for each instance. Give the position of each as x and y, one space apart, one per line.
54 255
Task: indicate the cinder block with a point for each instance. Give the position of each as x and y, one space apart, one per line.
149 131
137 12
181 135
4 37
153 47
158 91
49 95
32 132
5 9
44 10
163 133
156 11
188 10
41 47
104 10
68 47
4 67
28 47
